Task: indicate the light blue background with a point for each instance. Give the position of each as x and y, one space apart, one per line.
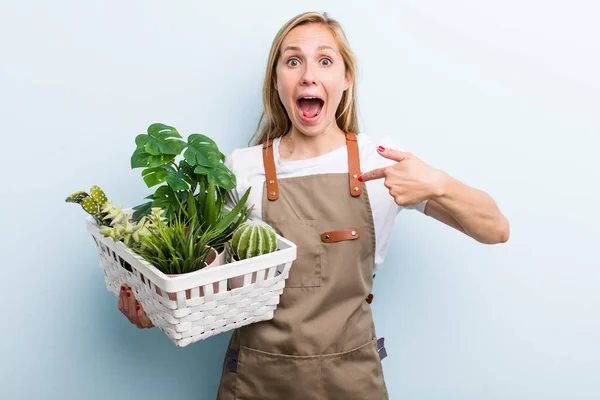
502 95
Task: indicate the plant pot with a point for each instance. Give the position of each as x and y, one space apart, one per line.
212 260
188 320
238 281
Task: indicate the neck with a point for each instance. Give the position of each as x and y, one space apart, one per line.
296 145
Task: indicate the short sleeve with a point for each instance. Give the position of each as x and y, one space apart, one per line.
419 206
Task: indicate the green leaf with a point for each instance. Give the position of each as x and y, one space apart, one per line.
210 206
201 150
201 196
164 197
161 139
191 206
224 177
141 159
229 218
220 174
142 210
154 176
188 170
177 179
77 197
162 159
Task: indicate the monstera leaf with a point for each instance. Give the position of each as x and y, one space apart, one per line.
201 150
158 147
169 200
142 210
176 178
200 176
187 173
220 175
141 159
154 176
161 139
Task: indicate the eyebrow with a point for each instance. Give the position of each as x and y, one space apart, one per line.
296 48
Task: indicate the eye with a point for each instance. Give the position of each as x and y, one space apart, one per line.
328 61
289 62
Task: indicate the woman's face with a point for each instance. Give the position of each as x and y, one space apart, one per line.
311 78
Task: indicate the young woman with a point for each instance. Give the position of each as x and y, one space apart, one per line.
335 194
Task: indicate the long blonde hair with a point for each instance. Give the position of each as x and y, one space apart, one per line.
274 121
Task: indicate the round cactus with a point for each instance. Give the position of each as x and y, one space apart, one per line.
253 238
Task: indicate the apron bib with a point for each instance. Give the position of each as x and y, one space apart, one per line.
321 342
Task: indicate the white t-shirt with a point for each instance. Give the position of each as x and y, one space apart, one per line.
247 165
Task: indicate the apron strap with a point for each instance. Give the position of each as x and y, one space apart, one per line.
270 171
353 164
353 167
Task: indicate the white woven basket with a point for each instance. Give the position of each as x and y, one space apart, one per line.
200 304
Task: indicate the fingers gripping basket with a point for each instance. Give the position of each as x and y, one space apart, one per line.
200 304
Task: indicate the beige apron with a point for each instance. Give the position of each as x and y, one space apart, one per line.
321 343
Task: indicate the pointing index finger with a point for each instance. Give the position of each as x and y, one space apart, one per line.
377 173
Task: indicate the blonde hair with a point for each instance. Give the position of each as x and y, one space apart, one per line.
274 121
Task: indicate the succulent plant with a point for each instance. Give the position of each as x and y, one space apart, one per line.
253 238
97 205
131 234
93 204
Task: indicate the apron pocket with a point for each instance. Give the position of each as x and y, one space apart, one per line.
306 269
354 375
268 376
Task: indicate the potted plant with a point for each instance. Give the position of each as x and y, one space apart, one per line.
169 249
198 182
251 239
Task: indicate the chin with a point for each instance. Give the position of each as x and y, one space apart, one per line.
312 130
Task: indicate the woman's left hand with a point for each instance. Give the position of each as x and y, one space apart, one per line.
410 180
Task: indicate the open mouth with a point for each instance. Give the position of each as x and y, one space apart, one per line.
310 107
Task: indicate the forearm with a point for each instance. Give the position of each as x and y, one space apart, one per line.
473 209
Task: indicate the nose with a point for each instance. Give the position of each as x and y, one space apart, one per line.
308 77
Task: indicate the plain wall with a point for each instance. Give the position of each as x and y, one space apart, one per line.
504 96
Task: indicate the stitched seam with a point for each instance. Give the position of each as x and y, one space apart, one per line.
371 228
309 357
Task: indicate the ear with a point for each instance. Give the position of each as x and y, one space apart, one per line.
275 80
347 80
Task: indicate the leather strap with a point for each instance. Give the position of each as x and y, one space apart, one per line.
353 167
338 236
353 164
270 171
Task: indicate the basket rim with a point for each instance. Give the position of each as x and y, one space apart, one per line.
286 253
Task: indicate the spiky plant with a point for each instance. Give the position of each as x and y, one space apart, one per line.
253 238
176 246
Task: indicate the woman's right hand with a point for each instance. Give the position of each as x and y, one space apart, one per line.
129 306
